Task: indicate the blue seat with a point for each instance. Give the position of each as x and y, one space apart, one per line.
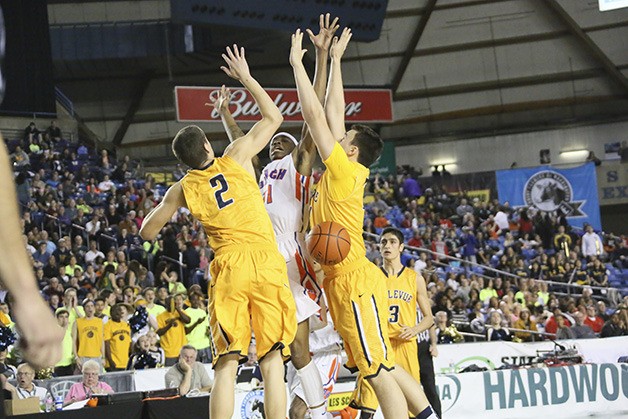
407 233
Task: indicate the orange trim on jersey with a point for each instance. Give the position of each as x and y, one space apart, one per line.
298 185
306 188
306 275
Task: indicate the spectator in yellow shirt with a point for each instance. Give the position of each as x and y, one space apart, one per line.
117 339
171 329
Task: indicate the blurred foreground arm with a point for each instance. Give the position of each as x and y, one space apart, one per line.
40 335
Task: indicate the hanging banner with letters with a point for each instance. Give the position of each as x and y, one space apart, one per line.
572 192
612 180
194 104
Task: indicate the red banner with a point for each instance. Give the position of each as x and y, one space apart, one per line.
194 104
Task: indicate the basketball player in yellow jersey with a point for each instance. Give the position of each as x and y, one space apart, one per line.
406 289
356 289
249 283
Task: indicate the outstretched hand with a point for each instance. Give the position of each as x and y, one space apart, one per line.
238 67
322 40
339 45
220 101
297 51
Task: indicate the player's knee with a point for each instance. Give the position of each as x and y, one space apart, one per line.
297 409
300 354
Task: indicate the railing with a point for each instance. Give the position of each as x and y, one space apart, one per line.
178 263
64 101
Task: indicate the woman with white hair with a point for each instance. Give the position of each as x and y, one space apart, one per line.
89 386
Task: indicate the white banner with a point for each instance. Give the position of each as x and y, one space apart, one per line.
559 392
575 391
493 355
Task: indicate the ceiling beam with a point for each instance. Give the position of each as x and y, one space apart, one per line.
588 44
486 43
414 41
498 84
513 127
415 11
505 108
136 100
489 43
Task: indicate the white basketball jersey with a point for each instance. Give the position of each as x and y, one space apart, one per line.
286 196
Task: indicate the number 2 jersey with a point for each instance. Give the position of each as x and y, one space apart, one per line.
226 199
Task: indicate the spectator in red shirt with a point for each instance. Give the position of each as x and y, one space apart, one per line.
552 326
416 241
592 320
380 221
525 224
439 246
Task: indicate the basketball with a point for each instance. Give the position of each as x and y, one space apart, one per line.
328 243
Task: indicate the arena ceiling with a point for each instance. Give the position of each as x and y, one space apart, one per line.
457 68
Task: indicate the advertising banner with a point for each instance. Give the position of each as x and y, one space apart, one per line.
493 355
612 182
574 391
572 192
194 104
387 162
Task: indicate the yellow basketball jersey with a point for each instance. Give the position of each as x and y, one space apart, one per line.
90 337
402 304
339 197
225 198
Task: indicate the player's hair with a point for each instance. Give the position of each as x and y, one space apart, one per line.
369 143
396 232
189 146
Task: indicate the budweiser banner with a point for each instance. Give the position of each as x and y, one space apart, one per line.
194 104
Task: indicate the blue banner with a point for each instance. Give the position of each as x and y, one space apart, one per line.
572 192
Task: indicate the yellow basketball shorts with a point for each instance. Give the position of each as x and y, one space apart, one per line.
407 356
249 289
358 304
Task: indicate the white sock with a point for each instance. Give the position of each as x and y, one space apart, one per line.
313 390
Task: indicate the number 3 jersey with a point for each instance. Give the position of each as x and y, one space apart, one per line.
226 199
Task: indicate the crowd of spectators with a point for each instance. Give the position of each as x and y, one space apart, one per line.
81 213
125 303
511 268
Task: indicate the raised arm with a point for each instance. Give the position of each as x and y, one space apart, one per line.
311 107
221 104
162 213
233 130
244 148
40 336
304 154
335 100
